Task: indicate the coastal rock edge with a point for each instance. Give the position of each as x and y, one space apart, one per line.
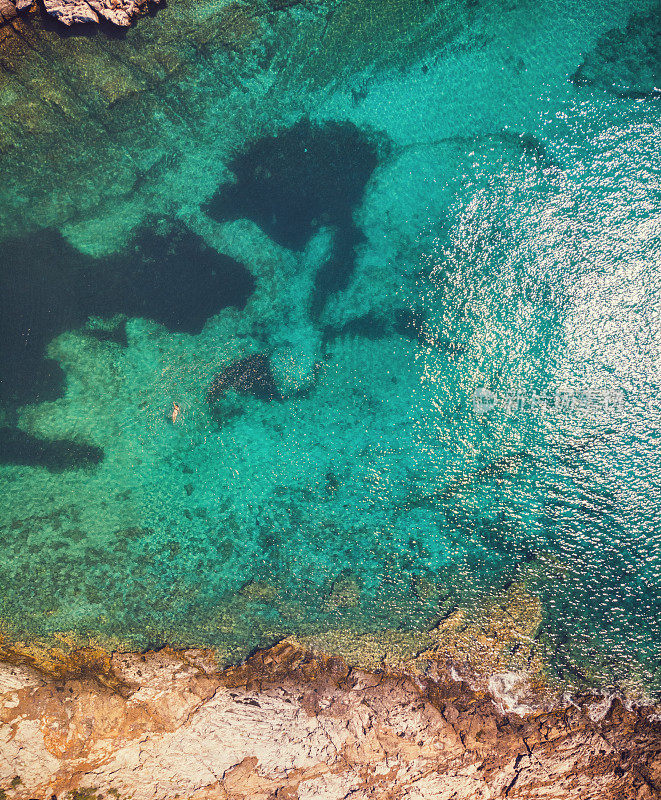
291 723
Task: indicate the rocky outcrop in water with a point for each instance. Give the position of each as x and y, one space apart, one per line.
119 12
10 8
70 12
289 723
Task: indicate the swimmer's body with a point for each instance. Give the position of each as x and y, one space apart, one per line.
176 410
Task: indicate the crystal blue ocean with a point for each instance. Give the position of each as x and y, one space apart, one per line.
342 316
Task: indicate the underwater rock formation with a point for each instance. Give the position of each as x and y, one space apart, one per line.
18 447
251 375
305 178
290 723
626 63
166 273
294 183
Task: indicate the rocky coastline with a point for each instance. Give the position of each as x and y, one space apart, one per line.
70 12
293 723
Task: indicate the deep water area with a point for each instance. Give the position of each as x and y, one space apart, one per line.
306 334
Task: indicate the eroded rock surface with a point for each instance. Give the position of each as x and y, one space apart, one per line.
7 10
70 12
292 724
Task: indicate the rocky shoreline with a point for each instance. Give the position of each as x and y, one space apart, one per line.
70 12
292 723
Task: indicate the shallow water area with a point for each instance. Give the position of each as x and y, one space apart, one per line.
407 304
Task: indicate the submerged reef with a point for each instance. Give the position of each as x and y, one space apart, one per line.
17 447
250 375
165 273
626 62
294 183
306 178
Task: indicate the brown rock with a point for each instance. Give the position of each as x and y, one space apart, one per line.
71 11
291 723
118 12
7 10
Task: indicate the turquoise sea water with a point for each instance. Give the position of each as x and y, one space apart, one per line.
320 266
